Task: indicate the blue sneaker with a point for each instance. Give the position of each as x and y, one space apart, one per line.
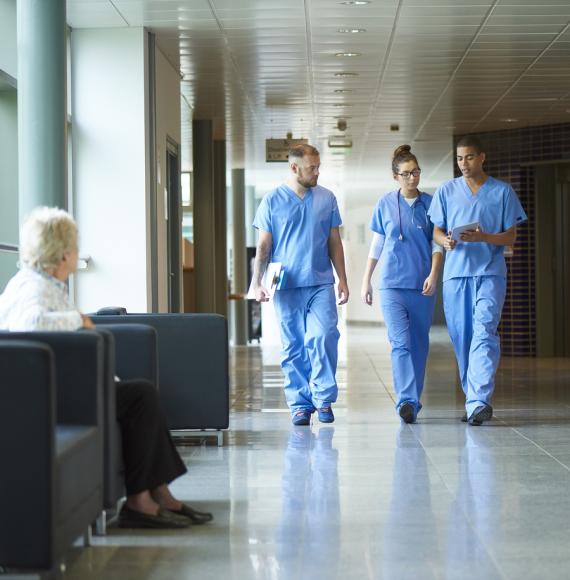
325 414
301 417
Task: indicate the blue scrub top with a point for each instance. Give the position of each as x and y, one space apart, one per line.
300 229
404 263
495 206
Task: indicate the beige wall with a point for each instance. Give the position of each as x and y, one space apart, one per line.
109 166
167 126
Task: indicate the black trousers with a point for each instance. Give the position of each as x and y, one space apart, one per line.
149 454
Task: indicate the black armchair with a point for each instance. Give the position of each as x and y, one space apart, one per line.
51 486
192 366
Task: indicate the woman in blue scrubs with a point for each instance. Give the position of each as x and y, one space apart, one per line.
410 263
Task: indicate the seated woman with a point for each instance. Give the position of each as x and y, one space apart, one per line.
36 298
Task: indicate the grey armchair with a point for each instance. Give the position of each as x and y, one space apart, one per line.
192 366
51 487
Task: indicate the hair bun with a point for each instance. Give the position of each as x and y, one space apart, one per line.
400 150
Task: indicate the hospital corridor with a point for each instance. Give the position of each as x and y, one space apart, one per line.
369 497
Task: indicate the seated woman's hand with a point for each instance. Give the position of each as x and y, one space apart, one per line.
87 322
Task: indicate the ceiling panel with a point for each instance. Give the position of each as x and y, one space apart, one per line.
261 68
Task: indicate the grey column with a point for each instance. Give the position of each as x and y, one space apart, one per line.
250 208
204 238
42 108
220 228
239 264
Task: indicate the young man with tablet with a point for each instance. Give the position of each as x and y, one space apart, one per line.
475 216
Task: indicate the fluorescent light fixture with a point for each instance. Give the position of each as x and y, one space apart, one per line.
348 54
340 142
342 75
342 91
355 2
351 30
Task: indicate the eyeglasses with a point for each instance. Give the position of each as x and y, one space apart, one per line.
408 174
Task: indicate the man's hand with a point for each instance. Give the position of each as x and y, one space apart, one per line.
449 243
261 294
366 292
87 322
430 285
342 290
473 236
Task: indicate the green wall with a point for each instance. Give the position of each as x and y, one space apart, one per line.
8 181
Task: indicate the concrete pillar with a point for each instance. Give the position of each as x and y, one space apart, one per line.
239 265
204 235
220 227
42 104
250 208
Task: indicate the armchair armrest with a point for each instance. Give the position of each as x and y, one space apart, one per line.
135 351
79 373
27 449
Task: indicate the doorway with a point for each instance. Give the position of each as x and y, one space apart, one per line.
173 225
552 251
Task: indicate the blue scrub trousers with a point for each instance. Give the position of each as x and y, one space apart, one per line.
408 316
473 309
308 321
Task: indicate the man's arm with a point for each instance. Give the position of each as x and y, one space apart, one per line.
336 253
262 255
507 238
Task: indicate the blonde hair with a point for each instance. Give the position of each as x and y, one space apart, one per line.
46 235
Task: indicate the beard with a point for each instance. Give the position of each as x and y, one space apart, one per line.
307 182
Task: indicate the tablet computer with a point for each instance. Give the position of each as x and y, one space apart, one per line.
456 232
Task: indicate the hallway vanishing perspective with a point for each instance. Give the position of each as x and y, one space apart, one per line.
368 497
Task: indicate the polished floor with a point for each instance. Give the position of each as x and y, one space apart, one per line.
369 497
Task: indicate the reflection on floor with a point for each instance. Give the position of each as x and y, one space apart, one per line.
368 497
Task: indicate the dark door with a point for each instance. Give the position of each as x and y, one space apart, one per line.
552 246
174 226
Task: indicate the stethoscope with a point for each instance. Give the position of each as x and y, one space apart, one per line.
414 205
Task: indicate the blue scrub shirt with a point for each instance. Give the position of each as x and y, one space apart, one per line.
300 229
495 206
404 263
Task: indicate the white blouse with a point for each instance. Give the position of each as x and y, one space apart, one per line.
34 300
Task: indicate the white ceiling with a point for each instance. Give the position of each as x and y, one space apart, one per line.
263 68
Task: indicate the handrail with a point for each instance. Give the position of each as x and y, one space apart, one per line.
13 249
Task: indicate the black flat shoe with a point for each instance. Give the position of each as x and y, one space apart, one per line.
196 517
164 519
464 418
406 412
482 413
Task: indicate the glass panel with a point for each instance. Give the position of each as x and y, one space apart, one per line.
8 267
9 167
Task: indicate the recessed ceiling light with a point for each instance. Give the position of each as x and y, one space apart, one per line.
351 30
348 54
341 91
345 74
355 2
509 120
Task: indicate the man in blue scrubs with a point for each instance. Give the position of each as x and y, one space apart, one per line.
474 276
298 225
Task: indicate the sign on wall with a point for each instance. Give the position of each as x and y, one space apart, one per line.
277 150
